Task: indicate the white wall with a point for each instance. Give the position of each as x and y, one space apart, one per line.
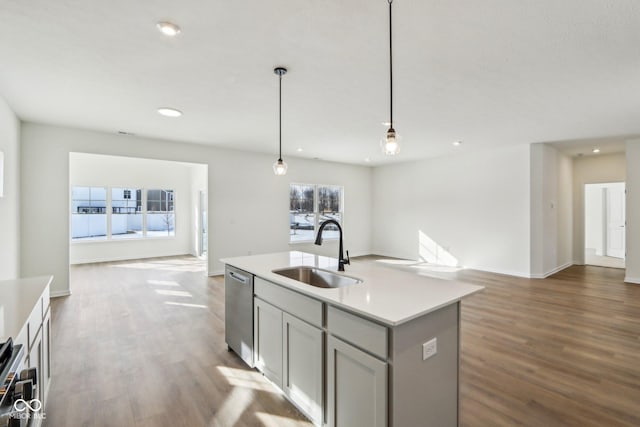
633 211
10 202
475 206
248 204
592 170
551 210
91 170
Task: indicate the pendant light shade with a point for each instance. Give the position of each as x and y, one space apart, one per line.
280 167
390 144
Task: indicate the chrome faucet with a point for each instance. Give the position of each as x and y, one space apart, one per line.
341 259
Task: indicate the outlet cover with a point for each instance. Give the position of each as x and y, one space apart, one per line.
430 348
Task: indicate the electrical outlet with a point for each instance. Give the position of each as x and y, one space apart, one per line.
430 348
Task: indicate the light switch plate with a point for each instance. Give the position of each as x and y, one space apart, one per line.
430 348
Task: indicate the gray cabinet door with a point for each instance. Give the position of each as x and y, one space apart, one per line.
356 387
303 366
268 340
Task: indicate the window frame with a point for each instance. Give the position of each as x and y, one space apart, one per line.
316 211
89 211
109 214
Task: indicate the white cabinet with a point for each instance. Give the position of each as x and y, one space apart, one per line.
302 366
46 356
267 345
25 316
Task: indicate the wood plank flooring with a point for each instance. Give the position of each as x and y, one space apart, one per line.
141 343
563 351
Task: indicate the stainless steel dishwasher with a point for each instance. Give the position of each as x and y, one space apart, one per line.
238 312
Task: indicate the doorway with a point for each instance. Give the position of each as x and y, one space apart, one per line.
605 221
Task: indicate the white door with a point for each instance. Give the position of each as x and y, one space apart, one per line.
204 241
615 212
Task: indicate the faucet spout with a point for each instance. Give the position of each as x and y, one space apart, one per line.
341 259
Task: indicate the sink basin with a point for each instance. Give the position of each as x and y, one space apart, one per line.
317 277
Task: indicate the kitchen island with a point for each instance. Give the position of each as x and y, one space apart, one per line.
380 353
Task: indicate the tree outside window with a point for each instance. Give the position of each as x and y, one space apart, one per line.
160 213
309 206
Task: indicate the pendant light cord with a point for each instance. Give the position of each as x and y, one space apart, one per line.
280 113
390 70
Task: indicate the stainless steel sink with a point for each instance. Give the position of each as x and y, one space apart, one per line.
317 277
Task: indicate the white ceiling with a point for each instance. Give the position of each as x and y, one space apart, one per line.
489 73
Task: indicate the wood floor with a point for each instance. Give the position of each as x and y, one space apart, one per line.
141 343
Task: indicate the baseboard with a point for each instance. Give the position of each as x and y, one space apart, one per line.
634 280
216 273
552 272
57 294
100 260
503 272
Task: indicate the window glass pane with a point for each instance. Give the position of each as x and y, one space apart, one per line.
126 213
301 198
301 212
88 213
329 200
160 213
301 226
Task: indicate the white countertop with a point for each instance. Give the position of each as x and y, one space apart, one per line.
388 295
18 297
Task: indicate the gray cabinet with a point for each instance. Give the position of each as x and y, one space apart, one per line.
288 345
356 387
268 340
303 366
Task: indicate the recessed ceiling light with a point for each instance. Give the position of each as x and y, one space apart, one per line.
457 143
596 150
168 28
299 150
367 159
169 112
386 124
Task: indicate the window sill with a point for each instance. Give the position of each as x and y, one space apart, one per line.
138 239
306 242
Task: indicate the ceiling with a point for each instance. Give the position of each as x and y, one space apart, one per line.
488 73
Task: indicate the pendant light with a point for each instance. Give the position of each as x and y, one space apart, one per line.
391 142
280 167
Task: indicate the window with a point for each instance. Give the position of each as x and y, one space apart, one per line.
309 206
98 213
88 213
126 210
160 213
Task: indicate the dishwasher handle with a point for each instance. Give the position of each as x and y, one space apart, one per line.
239 277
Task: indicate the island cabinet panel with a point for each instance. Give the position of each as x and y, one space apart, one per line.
425 391
301 306
356 387
268 340
303 366
363 333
